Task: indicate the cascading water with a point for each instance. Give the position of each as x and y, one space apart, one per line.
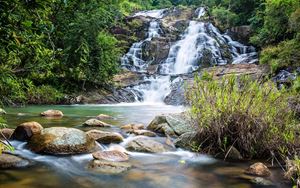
155 88
201 43
199 40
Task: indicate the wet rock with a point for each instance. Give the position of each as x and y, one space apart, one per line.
26 130
52 113
2 111
171 124
95 123
127 78
113 155
132 127
109 167
12 161
261 181
233 154
7 133
143 133
258 169
177 94
187 141
61 141
240 33
143 144
104 116
105 137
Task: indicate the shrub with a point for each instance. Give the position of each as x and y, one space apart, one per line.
251 116
44 95
224 18
284 55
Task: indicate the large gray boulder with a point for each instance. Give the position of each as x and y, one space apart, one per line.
61 141
144 144
171 124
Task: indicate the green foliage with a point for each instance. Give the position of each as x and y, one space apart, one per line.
4 145
43 95
285 54
242 111
275 21
224 18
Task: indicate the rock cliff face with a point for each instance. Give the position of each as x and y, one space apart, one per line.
165 48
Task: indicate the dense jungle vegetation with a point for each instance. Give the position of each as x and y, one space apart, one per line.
52 47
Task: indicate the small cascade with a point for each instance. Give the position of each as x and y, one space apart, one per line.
132 60
201 44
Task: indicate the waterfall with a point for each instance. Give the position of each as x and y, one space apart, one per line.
200 43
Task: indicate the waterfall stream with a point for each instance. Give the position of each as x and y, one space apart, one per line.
201 43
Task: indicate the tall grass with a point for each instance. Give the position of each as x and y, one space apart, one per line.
252 116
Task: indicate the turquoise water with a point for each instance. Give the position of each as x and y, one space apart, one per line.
176 169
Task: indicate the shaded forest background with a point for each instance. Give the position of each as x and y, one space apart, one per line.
49 48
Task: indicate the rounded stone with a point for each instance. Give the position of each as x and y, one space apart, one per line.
52 113
26 130
113 155
258 169
62 141
95 123
104 137
12 161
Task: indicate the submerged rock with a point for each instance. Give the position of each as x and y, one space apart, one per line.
143 144
26 130
113 155
52 113
61 140
12 161
258 169
95 123
104 137
7 133
261 181
171 124
109 167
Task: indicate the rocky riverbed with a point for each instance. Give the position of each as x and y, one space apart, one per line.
131 151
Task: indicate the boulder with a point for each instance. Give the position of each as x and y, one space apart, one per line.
62 141
7 133
52 113
109 167
233 154
132 127
258 169
143 133
187 141
95 123
104 116
171 124
113 155
12 161
26 130
104 137
2 111
143 144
